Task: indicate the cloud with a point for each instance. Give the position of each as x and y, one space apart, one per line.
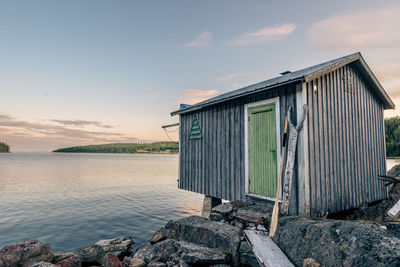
19 132
388 74
82 123
370 28
232 76
203 39
264 35
375 32
195 96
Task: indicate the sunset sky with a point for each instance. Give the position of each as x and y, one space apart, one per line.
90 72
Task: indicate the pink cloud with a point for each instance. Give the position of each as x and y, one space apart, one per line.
370 28
195 96
264 35
203 39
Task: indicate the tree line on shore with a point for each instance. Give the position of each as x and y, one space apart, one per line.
4 147
392 132
156 147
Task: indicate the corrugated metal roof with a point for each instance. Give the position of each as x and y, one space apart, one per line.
300 75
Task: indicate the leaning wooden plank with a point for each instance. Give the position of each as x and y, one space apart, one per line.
275 211
266 251
394 212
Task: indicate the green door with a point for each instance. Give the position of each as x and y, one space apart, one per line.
262 150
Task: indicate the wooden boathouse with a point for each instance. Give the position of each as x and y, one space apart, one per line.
230 144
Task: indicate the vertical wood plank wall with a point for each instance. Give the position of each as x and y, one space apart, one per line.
346 145
215 164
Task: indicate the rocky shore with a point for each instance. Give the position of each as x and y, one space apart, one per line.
219 241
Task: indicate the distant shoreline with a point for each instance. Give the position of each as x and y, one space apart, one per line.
125 148
148 153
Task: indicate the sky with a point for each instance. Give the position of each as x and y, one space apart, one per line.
94 71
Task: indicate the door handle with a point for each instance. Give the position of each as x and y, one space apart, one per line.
272 150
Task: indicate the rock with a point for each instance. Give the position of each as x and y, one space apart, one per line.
92 254
247 257
156 264
44 264
212 234
183 264
111 260
224 208
239 225
241 204
121 246
310 262
216 216
394 171
73 261
161 251
25 253
59 256
158 236
337 243
201 255
220 265
68 259
133 262
252 213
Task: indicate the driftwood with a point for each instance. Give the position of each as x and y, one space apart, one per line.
389 179
291 154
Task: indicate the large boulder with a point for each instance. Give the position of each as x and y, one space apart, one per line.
67 259
252 213
92 255
247 257
212 234
133 262
121 246
159 235
224 208
111 260
195 254
26 253
161 251
337 243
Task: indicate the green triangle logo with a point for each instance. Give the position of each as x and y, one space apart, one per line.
195 131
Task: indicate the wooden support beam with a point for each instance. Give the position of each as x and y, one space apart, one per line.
170 125
394 212
268 253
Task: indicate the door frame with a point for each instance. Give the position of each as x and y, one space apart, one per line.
265 102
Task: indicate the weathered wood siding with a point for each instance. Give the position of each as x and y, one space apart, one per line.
215 164
346 143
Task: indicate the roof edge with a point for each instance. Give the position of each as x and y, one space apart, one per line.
349 59
388 103
259 87
256 90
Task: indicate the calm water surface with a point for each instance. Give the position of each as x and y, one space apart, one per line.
72 200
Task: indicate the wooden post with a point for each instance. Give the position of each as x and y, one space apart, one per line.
208 204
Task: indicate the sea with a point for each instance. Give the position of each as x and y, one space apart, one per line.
71 200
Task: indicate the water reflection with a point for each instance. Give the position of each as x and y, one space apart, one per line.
71 200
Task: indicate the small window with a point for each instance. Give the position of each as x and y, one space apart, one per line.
195 131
